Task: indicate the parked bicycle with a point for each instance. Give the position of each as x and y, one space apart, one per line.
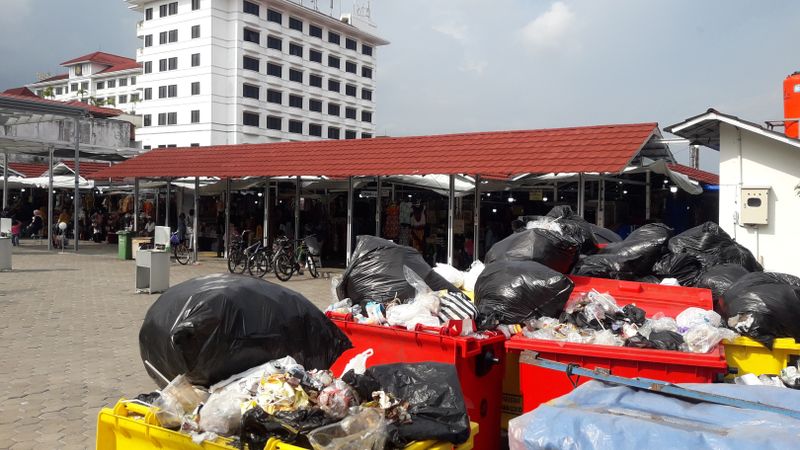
237 261
181 248
290 259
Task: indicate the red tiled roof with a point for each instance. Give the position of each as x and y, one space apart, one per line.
606 148
28 170
95 111
695 174
23 91
87 168
62 76
100 58
123 66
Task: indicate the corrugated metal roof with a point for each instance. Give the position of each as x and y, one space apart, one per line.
695 174
604 148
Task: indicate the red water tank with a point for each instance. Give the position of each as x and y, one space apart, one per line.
791 104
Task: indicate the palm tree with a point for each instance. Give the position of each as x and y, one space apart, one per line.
82 93
48 92
97 101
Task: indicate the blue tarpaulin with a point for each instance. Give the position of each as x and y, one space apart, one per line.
601 416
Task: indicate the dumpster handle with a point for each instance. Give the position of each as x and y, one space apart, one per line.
333 315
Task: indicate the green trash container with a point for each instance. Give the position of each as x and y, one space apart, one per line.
124 245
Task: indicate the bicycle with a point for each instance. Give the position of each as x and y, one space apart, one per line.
289 258
180 249
258 259
237 262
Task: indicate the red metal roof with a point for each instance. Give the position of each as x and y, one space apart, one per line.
87 168
695 174
605 148
96 111
22 91
100 58
28 170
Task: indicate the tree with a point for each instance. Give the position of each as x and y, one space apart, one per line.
97 101
82 93
48 92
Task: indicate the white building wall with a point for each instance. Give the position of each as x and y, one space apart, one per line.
91 79
221 74
765 162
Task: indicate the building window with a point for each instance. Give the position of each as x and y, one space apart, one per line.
196 88
251 8
163 10
250 119
250 63
366 72
172 90
195 59
334 85
315 80
274 16
111 84
314 55
74 87
123 82
148 93
101 85
296 126
314 105
194 144
147 147
296 101
351 44
173 8
314 31
79 70
195 31
172 118
274 70
162 92
195 5
333 109
349 134
274 96
134 97
173 36
334 38
148 14
333 61
274 43
148 66
148 120
295 49
148 40
162 37
333 133
366 116
274 123
366 135
173 63
59 90
251 36
366 49
85 85
315 129
133 81
296 75
168 37
250 91
296 24
195 116
366 94
351 67
350 90
162 118
350 113
123 99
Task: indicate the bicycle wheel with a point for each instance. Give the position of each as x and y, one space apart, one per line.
258 265
284 267
236 261
181 252
312 267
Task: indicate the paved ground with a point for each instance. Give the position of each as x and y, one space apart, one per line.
69 327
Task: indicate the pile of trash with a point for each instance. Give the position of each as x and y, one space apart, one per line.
596 318
789 377
384 406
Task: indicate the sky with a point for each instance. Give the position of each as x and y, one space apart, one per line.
478 65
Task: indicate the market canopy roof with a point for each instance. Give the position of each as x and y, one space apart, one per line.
605 149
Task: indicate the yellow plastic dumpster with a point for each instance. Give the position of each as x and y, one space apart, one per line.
750 356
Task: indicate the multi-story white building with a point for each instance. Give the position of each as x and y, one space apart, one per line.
99 78
247 71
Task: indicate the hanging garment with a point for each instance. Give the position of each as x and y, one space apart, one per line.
391 230
405 213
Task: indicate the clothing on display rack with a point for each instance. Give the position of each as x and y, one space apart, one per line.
391 229
405 213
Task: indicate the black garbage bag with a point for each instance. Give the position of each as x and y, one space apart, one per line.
605 266
659 340
376 274
641 249
433 391
684 267
215 326
604 235
771 300
713 246
576 227
511 292
290 427
719 279
558 252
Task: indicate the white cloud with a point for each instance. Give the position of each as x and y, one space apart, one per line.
549 29
453 30
475 66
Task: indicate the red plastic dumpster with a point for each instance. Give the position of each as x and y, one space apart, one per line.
539 385
480 363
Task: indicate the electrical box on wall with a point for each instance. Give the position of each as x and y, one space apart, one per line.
754 206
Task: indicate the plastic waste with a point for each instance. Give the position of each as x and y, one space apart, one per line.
670 282
215 326
423 309
451 274
335 281
337 398
455 306
471 276
605 266
222 413
363 429
719 278
289 426
511 292
641 249
790 376
358 363
704 337
277 393
340 306
659 322
576 227
691 317
375 312
682 266
550 248
713 246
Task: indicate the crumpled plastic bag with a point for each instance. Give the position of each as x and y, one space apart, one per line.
258 427
423 309
451 274
719 278
691 317
471 276
363 429
703 338
713 246
358 363
550 248
177 399
337 399
222 413
682 266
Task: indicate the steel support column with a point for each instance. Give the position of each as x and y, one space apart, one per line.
378 200
647 196
601 203
5 180
195 228
476 221
227 215
581 194
135 205
76 201
297 187
349 219
266 212
158 194
451 204
168 202
49 219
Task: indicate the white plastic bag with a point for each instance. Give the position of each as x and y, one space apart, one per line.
222 413
363 429
423 309
451 274
471 276
358 363
704 337
691 317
